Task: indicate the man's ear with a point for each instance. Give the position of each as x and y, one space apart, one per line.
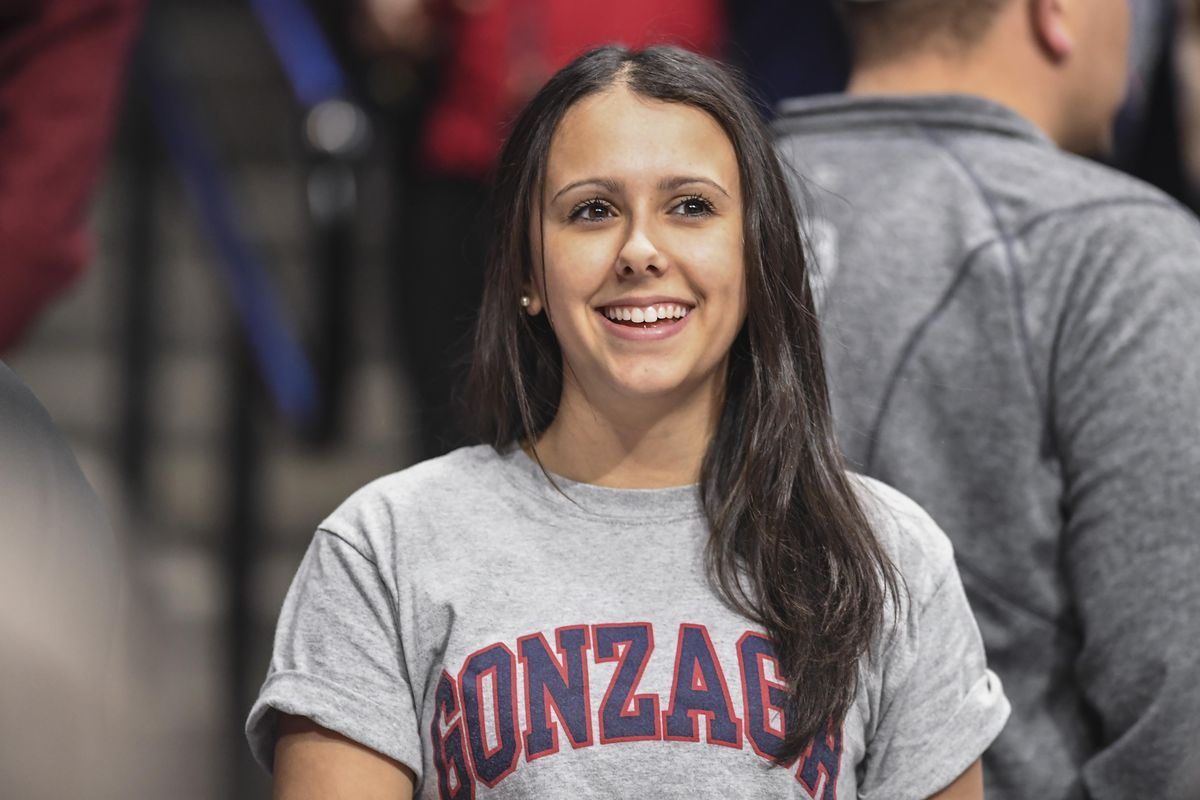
1052 24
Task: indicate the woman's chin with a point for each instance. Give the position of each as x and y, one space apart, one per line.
659 389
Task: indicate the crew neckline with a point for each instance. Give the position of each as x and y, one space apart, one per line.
587 500
839 111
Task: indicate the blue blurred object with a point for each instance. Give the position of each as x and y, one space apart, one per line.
283 363
337 133
302 49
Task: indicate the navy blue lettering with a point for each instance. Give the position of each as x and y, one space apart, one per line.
561 684
449 759
699 690
489 706
763 697
626 716
820 764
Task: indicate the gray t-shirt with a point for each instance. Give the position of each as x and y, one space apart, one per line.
468 620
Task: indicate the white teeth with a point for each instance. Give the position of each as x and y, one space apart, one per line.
649 314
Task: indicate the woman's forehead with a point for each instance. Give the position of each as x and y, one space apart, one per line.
620 136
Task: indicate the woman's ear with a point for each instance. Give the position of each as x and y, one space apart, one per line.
530 301
1052 24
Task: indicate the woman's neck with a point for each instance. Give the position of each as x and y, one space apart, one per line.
639 444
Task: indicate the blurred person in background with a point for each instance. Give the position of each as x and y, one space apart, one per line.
1011 333
62 727
61 69
62 734
483 59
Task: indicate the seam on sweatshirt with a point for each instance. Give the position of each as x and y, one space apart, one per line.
393 603
351 545
1046 216
909 350
1024 342
1001 595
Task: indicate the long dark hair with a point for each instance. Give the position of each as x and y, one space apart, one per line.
790 546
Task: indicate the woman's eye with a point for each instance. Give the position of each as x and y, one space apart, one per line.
592 211
694 207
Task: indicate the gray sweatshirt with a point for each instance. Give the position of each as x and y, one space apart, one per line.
1013 337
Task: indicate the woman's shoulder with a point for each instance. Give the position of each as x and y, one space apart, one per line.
917 546
450 470
439 486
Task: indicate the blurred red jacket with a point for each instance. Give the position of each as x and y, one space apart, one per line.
61 68
501 51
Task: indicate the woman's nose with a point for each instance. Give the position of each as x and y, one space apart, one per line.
639 255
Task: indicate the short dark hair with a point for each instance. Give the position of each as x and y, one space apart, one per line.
789 546
893 28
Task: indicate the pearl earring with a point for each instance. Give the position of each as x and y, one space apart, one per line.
525 301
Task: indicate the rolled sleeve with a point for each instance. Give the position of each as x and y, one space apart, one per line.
941 707
338 659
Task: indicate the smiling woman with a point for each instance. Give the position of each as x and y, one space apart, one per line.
658 558
643 211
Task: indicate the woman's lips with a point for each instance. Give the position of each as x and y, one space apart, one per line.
648 311
642 331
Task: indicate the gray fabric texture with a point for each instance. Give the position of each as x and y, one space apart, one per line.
468 620
1012 337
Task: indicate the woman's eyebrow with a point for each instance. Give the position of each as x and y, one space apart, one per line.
671 184
608 184
615 186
